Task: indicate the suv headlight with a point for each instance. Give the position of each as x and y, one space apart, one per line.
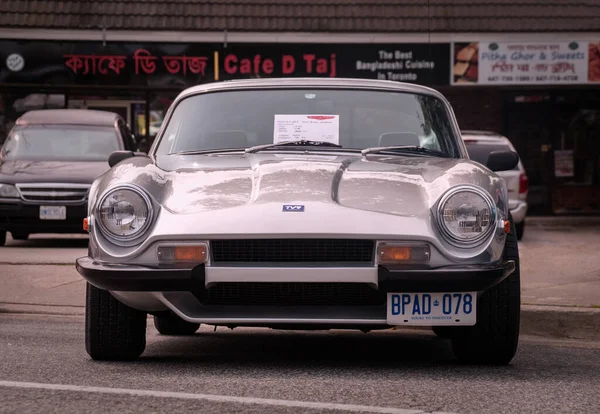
466 216
124 213
9 191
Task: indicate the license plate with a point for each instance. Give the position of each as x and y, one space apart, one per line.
53 212
432 309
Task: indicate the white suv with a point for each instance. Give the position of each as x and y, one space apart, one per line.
480 144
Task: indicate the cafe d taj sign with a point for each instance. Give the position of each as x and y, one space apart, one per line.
187 64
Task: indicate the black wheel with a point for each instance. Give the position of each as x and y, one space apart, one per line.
19 235
113 331
171 324
495 337
520 229
2 238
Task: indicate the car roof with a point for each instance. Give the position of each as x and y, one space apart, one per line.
484 136
68 117
311 82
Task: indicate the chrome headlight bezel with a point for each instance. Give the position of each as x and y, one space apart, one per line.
120 240
448 236
16 192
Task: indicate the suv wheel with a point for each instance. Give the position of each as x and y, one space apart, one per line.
494 339
170 324
113 330
19 236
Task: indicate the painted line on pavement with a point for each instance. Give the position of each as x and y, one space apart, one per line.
210 397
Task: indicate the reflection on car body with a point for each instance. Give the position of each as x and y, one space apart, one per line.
373 217
47 165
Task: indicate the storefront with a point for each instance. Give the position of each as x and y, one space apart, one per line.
544 96
140 80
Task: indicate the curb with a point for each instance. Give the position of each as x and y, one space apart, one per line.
562 221
17 308
561 322
536 320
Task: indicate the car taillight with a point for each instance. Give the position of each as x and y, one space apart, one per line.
523 183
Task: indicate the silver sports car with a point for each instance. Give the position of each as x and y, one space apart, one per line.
304 204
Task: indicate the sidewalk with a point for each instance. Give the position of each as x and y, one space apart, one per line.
560 279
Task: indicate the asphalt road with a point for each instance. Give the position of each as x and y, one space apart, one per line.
45 369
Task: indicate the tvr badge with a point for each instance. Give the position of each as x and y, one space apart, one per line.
293 207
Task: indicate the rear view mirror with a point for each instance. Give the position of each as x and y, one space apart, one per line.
502 160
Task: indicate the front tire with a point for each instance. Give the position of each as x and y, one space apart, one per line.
113 330
495 337
171 324
520 229
2 238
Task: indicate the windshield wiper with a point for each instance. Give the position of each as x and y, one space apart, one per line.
301 143
404 148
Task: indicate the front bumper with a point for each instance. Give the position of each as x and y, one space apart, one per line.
116 277
191 293
25 217
518 210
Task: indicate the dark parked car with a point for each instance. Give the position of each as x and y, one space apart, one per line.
47 164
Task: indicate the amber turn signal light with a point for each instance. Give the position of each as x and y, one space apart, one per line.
402 253
506 226
196 253
190 253
85 224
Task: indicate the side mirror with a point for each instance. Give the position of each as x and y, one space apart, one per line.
502 160
118 156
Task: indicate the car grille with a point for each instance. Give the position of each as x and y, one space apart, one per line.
291 294
54 192
292 251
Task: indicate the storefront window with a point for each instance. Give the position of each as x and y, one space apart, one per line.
159 104
13 105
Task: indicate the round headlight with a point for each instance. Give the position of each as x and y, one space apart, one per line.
124 213
466 216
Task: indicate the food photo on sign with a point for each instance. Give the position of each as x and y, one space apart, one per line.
466 59
594 62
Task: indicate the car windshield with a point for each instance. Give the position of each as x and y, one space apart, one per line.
60 142
480 151
352 119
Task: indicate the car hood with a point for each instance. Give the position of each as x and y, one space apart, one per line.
398 185
76 172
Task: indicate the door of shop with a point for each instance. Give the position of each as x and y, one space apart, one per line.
576 164
530 124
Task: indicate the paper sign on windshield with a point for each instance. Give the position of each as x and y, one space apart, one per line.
324 128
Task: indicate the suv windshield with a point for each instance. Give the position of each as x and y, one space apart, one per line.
60 142
352 119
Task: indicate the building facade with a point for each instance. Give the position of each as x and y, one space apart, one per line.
530 71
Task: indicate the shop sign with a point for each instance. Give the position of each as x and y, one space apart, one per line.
181 65
563 163
525 63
